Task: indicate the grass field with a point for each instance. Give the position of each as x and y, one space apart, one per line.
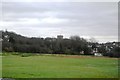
0 66
59 66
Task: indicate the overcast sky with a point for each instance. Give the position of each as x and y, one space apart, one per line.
49 19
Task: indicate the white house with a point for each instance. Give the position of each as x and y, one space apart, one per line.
98 54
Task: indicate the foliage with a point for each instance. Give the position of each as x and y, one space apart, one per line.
25 55
13 42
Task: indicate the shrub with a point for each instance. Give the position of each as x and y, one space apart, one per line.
25 55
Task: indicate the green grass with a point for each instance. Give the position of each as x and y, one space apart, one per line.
0 65
60 66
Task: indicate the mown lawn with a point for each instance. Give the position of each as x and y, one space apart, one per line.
49 66
0 66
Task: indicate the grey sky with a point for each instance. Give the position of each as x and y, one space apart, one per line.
48 19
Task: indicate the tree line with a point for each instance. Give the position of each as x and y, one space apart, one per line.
12 42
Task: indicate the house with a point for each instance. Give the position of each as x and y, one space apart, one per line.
59 37
98 54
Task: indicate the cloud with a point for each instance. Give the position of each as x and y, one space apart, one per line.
52 20
61 1
67 18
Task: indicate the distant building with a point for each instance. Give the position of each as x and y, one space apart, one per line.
1 39
59 37
98 54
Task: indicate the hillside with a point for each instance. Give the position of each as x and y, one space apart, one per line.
12 42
